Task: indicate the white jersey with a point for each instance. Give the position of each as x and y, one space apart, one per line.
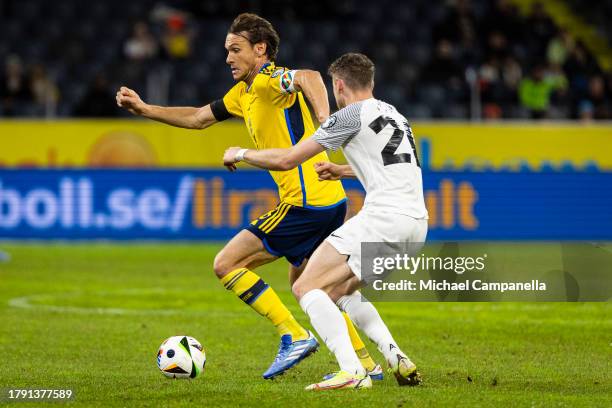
378 144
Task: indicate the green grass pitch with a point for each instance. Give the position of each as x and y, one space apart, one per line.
90 317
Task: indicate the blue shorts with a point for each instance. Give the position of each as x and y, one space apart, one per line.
295 232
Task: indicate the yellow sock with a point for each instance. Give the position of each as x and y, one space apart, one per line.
360 348
253 291
292 327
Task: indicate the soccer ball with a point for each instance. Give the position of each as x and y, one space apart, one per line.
181 357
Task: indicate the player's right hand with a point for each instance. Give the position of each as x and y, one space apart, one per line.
127 98
328 171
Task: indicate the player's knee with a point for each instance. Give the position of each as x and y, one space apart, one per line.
302 287
299 289
222 265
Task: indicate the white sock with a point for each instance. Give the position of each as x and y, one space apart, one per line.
329 323
366 317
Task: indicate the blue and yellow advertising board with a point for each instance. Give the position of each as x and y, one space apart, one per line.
215 204
141 180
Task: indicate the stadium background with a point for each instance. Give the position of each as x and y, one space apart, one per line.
455 70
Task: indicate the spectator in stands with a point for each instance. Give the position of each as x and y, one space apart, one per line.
491 86
14 87
505 18
45 92
560 97
578 67
511 76
444 71
608 83
141 45
512 73
443 67
536 90
540 29
596 104
98 100
559 48
459 26
177 38
497 46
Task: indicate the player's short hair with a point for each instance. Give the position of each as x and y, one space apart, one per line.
355 69
257 30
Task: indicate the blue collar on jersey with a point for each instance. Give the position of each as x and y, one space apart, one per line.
264 66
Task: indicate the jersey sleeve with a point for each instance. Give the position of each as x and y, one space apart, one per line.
286 82
279 87
229 105
339 128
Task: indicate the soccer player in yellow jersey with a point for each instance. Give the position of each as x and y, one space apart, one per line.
271 100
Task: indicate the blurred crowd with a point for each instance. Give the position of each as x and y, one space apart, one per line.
27 90
20 88
527 62
516 65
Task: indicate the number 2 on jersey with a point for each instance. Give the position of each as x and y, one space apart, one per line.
388 152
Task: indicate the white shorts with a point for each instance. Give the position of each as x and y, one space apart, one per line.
379 226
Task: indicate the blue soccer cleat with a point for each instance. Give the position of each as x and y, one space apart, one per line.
290 353
376 373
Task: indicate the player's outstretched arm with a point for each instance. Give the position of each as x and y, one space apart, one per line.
184 117
311 84
273 159
333 171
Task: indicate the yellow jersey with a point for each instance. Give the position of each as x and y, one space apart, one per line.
277 116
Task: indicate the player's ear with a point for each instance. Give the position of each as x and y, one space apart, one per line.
260 49
340 85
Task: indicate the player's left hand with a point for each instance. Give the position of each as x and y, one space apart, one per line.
229 158
328 171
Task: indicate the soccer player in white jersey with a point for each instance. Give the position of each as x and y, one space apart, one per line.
378 144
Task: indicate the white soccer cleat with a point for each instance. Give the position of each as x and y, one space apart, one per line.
375 374
405 371
342 380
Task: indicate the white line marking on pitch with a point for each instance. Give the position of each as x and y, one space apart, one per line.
26 302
